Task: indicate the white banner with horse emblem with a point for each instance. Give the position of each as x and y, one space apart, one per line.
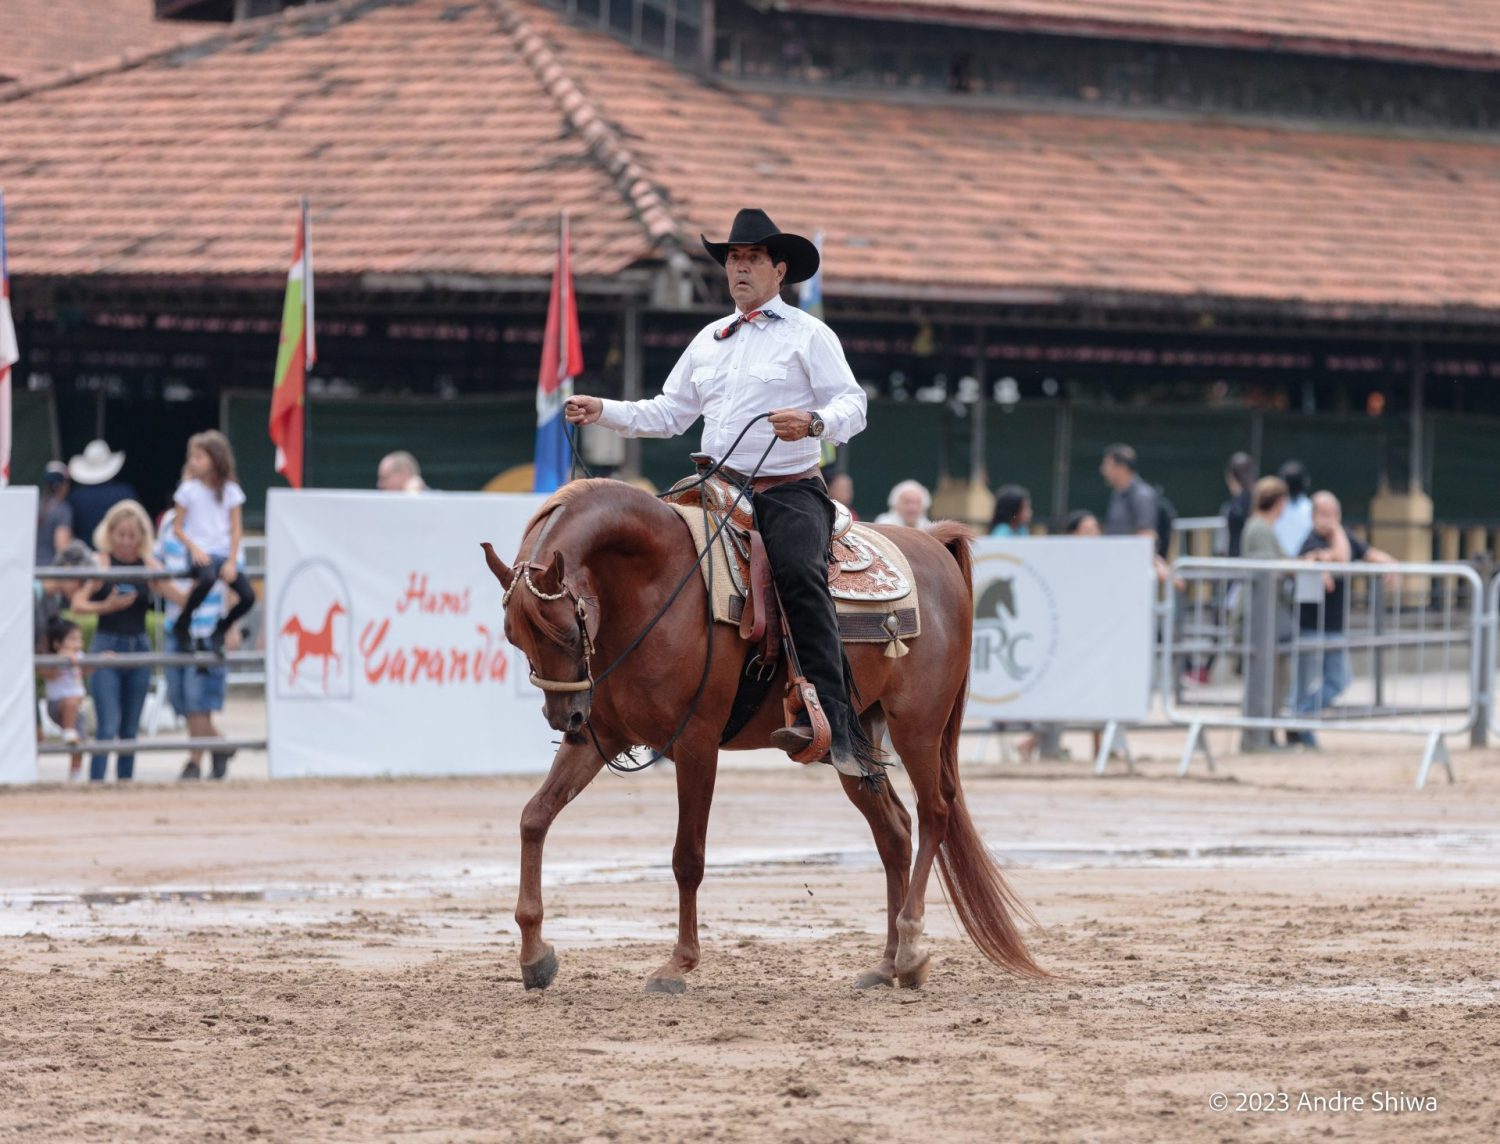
17 681
385 645
1062 629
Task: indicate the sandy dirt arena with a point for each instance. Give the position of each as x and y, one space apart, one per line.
336 961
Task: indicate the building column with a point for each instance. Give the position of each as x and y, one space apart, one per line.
632 390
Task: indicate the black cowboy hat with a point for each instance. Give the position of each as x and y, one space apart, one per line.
754 227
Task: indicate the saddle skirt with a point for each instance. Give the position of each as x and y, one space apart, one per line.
870 580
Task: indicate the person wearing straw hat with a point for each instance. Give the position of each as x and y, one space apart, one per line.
96 486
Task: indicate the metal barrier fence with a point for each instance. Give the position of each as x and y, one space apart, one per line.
1199 536
1300 647
240 664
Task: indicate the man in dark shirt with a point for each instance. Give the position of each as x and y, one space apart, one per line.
1323 674
1133 507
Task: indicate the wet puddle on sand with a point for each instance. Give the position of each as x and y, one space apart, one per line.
464 898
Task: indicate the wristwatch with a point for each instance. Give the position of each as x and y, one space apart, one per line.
815 429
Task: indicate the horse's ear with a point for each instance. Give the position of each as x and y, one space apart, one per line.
497 566
554 574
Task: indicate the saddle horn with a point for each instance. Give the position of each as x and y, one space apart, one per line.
497 566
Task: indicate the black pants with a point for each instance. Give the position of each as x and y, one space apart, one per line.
796 523
203 585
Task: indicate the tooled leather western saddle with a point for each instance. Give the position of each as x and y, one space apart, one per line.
867 577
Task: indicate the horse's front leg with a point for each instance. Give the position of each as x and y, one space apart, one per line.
696 771
573 768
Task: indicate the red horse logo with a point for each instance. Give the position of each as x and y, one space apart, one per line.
317 644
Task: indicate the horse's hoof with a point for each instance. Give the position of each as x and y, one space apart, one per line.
666 985
874 977
916 976
539 974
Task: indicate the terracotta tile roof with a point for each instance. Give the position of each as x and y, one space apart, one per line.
921 197
418 130
45 36
437 138
1459 32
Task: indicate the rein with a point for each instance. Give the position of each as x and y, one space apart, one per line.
581 607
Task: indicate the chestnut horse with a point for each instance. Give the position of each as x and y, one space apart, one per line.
598 560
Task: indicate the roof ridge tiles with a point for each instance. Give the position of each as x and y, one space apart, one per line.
646 198
136 57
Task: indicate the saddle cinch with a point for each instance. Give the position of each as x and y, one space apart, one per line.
870 581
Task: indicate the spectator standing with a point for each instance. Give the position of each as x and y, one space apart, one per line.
54 515
1012 516
1294 525
1268 502
1239 477
96 486
123 540
209 524
1133 505
1135 508
1323 673
64 688
1258 542
196 691
54 595
908 504
399 473
841 489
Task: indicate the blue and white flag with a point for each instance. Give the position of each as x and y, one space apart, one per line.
562 361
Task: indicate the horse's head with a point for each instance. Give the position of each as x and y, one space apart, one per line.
549 617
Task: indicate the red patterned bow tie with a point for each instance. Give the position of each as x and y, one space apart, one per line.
728 331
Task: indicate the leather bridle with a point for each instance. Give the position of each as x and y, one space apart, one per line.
580 612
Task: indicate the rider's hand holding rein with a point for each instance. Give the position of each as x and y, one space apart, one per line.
791 424
582 409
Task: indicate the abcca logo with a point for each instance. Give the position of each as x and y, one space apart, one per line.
1015 629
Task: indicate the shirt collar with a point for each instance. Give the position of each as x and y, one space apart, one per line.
774 306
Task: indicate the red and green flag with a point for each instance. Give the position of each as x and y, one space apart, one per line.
298 351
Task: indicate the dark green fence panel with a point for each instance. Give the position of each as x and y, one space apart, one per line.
900 442
1021 445
1344 454
1465 455
461 444
34 435
1182 450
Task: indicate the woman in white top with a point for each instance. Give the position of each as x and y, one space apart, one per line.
210 526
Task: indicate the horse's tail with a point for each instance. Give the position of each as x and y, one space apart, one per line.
978 891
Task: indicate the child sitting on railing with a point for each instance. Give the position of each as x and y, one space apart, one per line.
209 524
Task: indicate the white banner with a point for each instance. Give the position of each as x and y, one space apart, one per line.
18 507
385 645
1063 629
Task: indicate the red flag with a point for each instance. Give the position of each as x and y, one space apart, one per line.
10 353
298 351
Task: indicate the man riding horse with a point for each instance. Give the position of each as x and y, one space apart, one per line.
768 356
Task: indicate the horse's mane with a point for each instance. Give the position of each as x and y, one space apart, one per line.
596 492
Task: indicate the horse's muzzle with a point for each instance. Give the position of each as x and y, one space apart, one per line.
567 713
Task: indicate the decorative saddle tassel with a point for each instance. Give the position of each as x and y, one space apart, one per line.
894 649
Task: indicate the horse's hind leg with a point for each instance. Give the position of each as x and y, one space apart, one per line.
919 749
696 772
891 826
573 768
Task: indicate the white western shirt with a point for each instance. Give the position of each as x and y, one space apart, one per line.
790 362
